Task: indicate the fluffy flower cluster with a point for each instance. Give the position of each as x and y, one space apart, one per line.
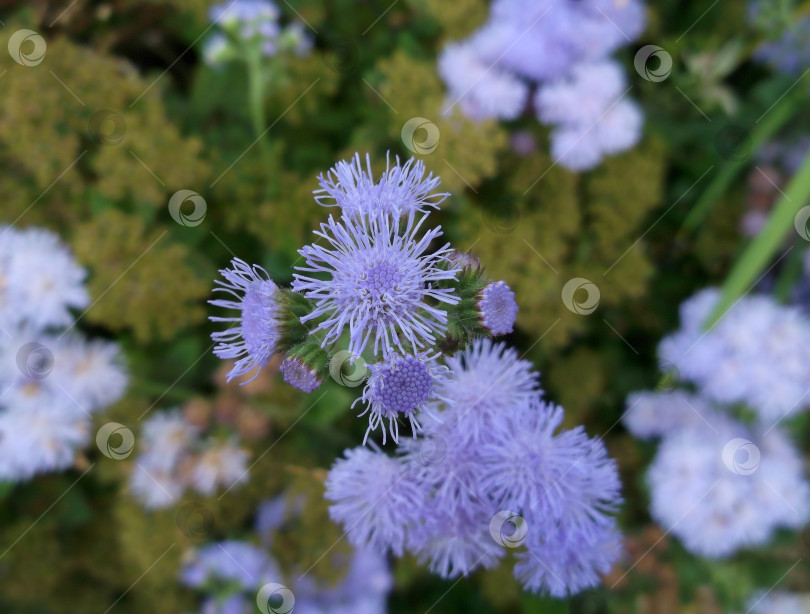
173 457
246 25
562 47
757 354
714 483
372 287
491 473
52 379
234 573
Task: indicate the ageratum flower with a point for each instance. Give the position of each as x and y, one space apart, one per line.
497 308
720 487
40 280
565 559
756 354
454 542
526 465
50 383
401 385
253 338
40 439
580 147
481 90
562 33
486 379
375 276
400 190
583 96
174 456
492 455
376 498
299 375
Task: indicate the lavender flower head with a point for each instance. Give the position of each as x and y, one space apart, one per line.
583 96
580 91
253 338
486 380
40 279
756 354
720 487
482 91
492 457
400 386
299 375
580 147
174 457
564 33
51 382
375 276
376 498
402 188
497 308
250 20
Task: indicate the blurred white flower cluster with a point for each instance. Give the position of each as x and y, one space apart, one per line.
726 474
174 457
252 26
52 379
561 50
236 574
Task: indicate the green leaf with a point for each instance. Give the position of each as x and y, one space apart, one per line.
761 250
772 121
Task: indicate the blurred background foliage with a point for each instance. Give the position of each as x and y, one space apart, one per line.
124 113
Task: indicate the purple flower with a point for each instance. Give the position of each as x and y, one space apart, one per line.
453 543
376 499
583 96
401 188
561 33
297 374
552 477
253 338
564 559
486 380
756 354
244 11
375 276
497 308
400 385
482 91
493 448
580 147
720 487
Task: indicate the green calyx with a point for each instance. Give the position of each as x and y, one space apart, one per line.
294 307
463 322
310 353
